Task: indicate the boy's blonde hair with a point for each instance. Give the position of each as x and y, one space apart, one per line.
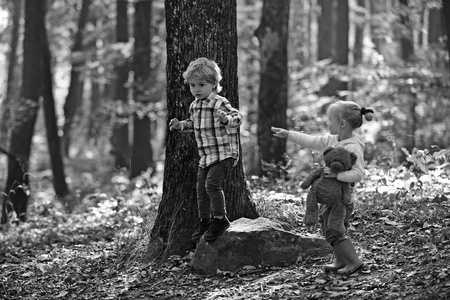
350 111
205 69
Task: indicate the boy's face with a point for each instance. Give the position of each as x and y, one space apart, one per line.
200 88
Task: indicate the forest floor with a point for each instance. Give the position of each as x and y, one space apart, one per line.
84 255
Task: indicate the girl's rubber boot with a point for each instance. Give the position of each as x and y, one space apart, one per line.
338 263
349 255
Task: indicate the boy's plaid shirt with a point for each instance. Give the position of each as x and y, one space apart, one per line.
215 141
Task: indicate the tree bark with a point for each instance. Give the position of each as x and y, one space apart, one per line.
17 184
446 6
51 124
120 136
73 99
142 154
378 11
359 34
342 28
325 31
273 91
436 25
406 39
196 28
11 83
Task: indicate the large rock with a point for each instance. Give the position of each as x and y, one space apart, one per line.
260 242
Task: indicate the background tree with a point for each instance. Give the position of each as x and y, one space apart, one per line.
12 80
51 125
16 193
360 22
325 31
406 39
342 32
379 28
446 13
272 34
142 153
74 95
120 137
194 29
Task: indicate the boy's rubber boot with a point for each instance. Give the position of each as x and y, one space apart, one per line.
217 228
348 253
202 227
339 263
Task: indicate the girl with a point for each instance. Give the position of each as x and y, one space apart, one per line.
344 117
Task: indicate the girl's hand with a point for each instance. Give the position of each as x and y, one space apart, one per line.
280 132
328 173
174 124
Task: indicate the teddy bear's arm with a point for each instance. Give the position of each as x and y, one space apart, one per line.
311 178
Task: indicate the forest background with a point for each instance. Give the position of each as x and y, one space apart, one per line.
107 143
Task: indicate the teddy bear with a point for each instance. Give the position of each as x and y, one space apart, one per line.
335 194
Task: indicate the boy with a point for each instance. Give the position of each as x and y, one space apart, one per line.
215 123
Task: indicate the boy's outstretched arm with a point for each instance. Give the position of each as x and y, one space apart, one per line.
229 115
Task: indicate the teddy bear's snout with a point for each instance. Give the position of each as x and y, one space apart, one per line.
336 167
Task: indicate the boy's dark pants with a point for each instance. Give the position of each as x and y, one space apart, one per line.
210 196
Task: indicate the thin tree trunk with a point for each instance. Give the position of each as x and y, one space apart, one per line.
73 99
436 25
142 153
342 31
446 5
54 145
406 38
359 35
196 28
326 25
94 122
11 87
272 104
377 10
120 136
17 184
12 63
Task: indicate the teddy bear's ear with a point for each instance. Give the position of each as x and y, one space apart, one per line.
353 157
327 150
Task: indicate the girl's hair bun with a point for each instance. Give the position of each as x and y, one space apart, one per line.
367 113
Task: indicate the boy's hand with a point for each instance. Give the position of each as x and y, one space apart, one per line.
280 132
174 124
222 116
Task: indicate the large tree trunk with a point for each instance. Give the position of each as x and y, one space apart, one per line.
120 138
17 187
73 99
272 34
54 145
325 31
342 27
142 154
196 28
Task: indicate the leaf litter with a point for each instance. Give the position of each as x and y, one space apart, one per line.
404 243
